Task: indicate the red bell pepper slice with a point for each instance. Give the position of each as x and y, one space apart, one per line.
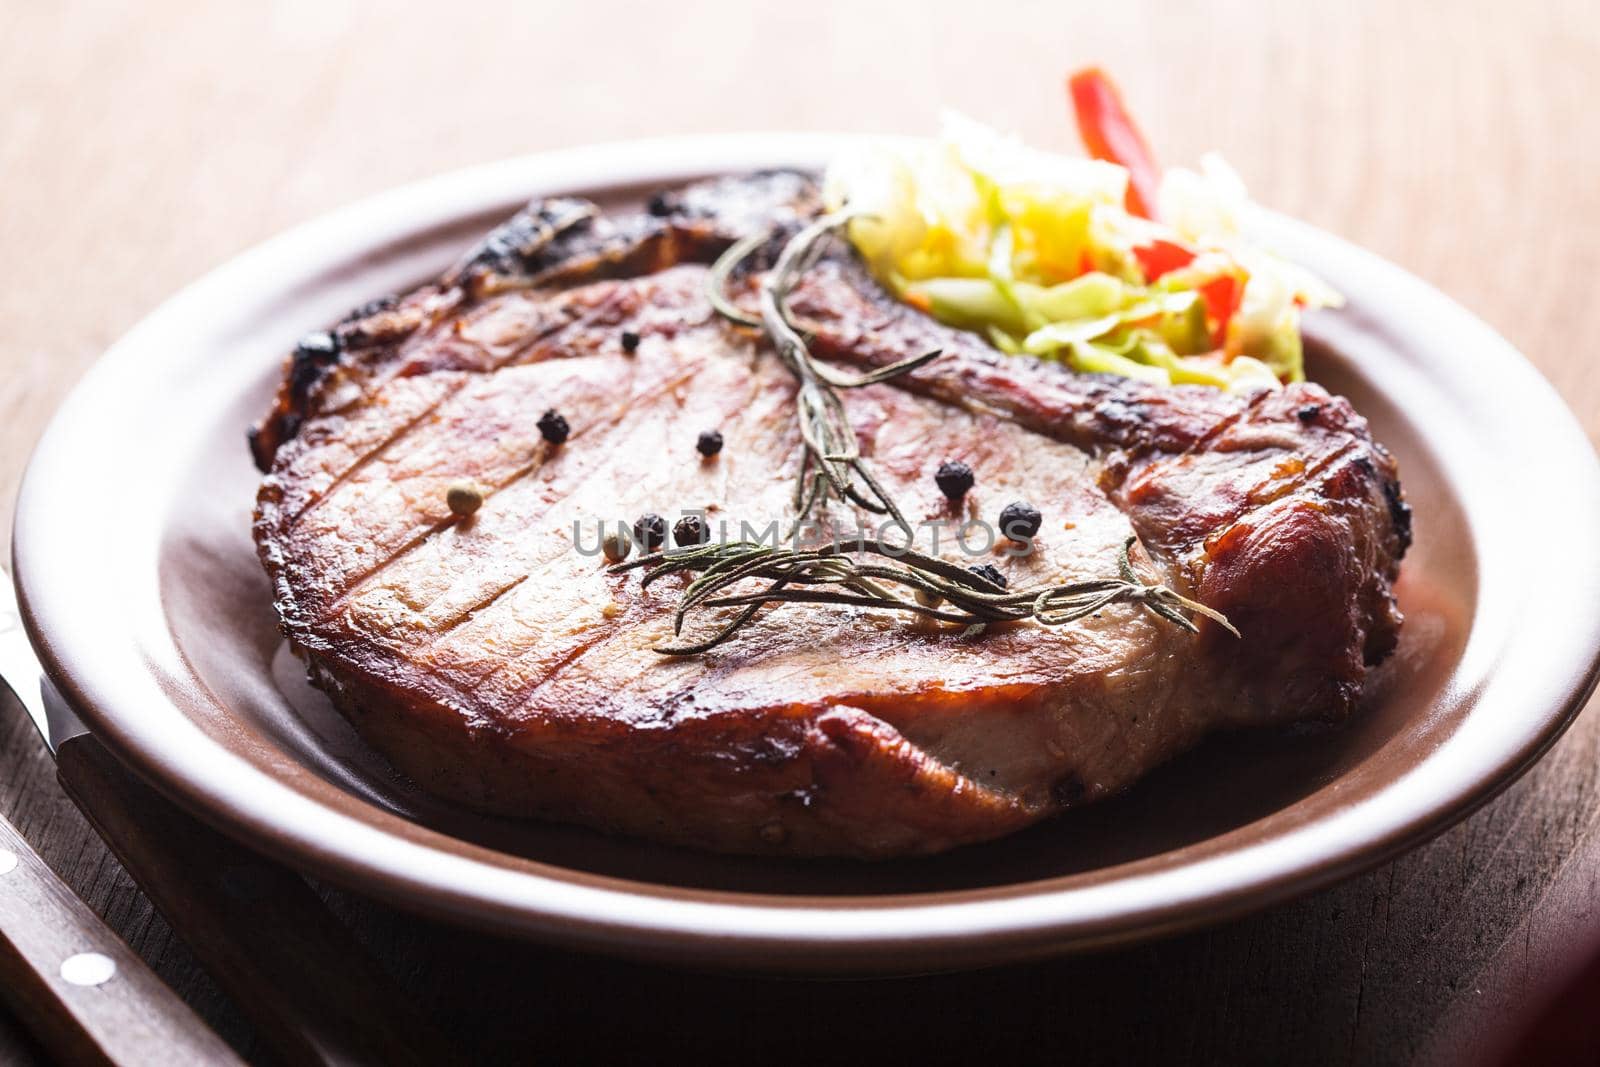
1161 257
1108 133
1222 295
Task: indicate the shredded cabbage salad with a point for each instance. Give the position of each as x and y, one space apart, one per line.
1063 258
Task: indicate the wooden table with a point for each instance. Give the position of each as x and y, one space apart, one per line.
140 144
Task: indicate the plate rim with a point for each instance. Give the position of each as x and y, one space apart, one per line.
718 927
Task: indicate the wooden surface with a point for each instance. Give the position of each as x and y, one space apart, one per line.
142 144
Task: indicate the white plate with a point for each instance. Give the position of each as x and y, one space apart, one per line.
134 560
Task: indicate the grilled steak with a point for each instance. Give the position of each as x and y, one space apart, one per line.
496 661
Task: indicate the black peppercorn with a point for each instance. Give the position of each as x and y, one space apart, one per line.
650 531
954 478
989 573
630 342
553 427
710 442
1020 520
691 530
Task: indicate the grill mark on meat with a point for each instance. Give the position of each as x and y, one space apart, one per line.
403 366
543 454
588 368
1221 428
755 426
1229 423
674 426
561 663
410 546
542 347
542 565
452 522
482 606
519 357
369 457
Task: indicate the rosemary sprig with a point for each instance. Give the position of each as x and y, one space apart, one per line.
832 463
864 572
831 574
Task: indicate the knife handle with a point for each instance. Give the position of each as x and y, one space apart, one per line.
128 1018
311 989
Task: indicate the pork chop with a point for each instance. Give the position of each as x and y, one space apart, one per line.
498 661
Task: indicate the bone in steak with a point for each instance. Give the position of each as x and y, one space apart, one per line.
496 664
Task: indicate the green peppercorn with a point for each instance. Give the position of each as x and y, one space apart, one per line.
463 498
616 546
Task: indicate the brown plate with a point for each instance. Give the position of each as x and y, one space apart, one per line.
141 588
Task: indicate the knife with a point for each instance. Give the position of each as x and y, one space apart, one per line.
86 995
313 992
82 991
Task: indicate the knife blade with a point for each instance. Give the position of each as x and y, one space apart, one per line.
20 670
312 990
